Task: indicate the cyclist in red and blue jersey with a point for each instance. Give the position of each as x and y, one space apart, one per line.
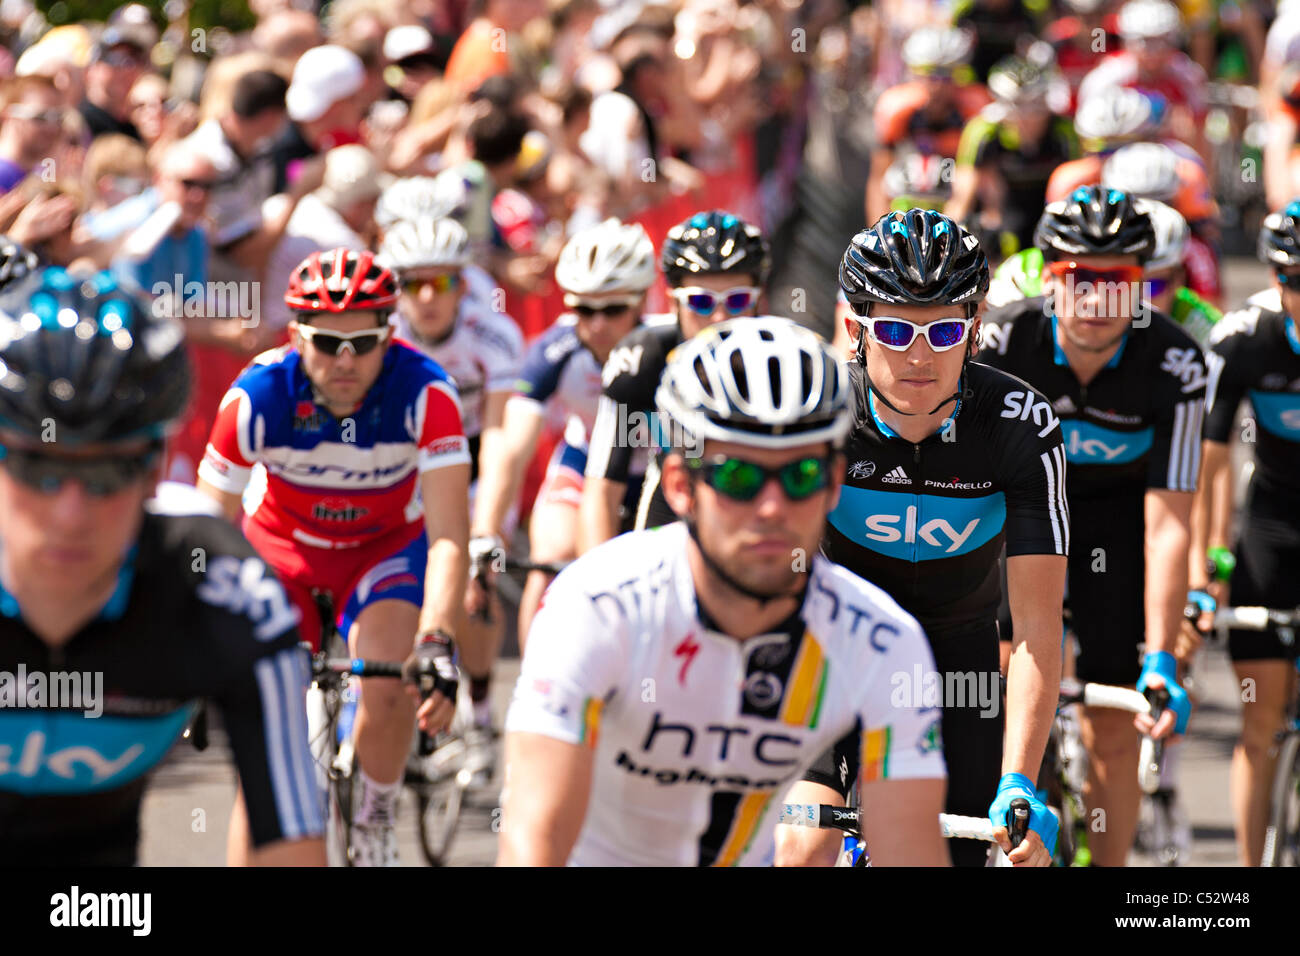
346 454
605 271
1128 386
1254 355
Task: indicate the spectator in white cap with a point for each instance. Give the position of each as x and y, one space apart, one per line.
412 60
325 102
339 212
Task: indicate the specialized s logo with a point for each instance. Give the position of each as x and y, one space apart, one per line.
1024 405
686 650
1184 364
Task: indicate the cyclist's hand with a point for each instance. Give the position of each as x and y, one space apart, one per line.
1158 669
1040 843
1219 591
484 550
432 678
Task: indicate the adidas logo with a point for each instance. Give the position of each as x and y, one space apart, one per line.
1064 406
897 477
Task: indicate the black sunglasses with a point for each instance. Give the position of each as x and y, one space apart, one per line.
608 311
742 480
101 475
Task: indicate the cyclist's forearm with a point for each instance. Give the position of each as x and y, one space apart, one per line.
1035 589
1204 516
503 470
1167 542
444 585
598 517
1216 477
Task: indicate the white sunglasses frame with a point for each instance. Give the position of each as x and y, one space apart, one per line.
867 322
720 298
309 332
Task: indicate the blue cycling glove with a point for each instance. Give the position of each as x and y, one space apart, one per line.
1041 820
1163 663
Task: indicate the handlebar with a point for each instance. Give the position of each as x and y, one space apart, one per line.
848 819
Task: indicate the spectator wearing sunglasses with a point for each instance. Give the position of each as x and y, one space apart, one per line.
119 59
31 118
605 272
941 474
1128 385
715 264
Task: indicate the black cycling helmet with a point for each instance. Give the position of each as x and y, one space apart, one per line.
16 262
711 243
79 351
1095 221
918 257
1279 238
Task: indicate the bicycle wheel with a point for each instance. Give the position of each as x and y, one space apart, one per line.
437 808
1282 839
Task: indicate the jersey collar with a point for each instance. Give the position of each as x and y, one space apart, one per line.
1058 353
112 610
889 432
1292 335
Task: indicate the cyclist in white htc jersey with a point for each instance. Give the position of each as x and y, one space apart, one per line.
677 680
440 314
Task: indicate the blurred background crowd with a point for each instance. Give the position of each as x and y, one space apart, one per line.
189 144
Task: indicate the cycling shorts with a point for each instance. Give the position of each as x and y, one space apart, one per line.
1105 587
972 723
389 568
1268 555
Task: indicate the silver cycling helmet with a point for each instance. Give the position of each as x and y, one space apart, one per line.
607 258
425 244
1150 20
1143 170
420 197
937 48
1118 112
1172 233
766 382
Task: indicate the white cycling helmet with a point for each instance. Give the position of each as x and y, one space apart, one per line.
1171 235
1118 112
424 244
1085 6
766 382
1143 170
937 48
420 197
610 257
1150 19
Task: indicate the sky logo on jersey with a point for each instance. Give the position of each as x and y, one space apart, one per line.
1089 444
918 527
1026 405
1278 413
66 752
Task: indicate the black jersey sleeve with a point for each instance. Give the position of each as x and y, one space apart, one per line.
1031 454
1227 379
259 677
1178 411
996 328
631 376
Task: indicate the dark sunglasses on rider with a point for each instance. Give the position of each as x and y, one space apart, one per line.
1079 273
705 302
1157 287
1291 281
101 475
742 480
609 310
331 343
447 282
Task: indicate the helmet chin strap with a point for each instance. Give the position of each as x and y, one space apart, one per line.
963 388
726 578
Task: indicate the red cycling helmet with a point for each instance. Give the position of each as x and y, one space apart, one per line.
340 280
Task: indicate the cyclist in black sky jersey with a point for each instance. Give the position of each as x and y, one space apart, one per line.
947 462
1128 385
715 265
1255 354
168 610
